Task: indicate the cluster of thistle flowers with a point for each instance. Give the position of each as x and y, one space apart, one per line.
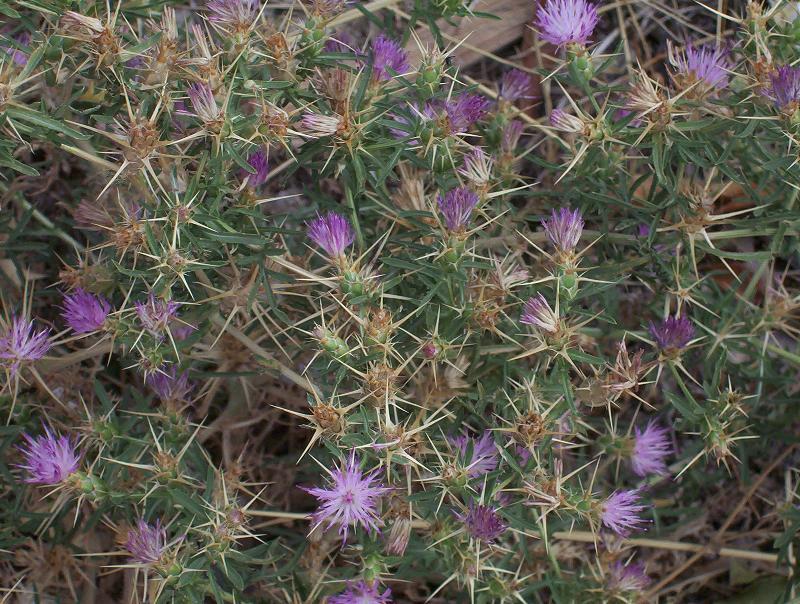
435 121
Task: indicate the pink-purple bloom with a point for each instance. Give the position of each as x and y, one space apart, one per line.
351 499
562 22
49 458
205 105
484 456
258 161
15 53
650 448
510 136
233 13
516 85
146 543
630 577
537 312
155 314
482 522
707 64
21 343
621 512
170 385
332 232
461 112
564 229
674 333
85 312
362 592
784 86
456 207
388 58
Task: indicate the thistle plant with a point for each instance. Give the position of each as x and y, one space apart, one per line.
302 302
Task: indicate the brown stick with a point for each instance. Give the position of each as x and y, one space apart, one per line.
731 517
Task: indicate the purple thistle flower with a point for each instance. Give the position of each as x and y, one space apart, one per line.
784 88
465 110
537 312
85 312
388 59
456 208
146 543
155 314
566 122
483 522
516 85
362 593
259 161
562 22
332 232
239 14
183 331
317 125
49 458
672 334
511 134
169 385
351 499
650 448
564 229
204 103
484 453
21 344
340 42
620 512
707 64
17 55
627 578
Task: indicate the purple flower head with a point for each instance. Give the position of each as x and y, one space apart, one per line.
20 343
146 543
362 593
155 314
562 22
537 312
512 132
19 57
484 453
643 231
516 85
672 334
566 122
239 14
456 208
388 58
706 64
169 385
784 86
477 167
340 42
85 312
523 455
465 110
259 161
332 232
620 512
627 578
49 458
351 498
650 448
182 331
203 102
483 522
564 229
